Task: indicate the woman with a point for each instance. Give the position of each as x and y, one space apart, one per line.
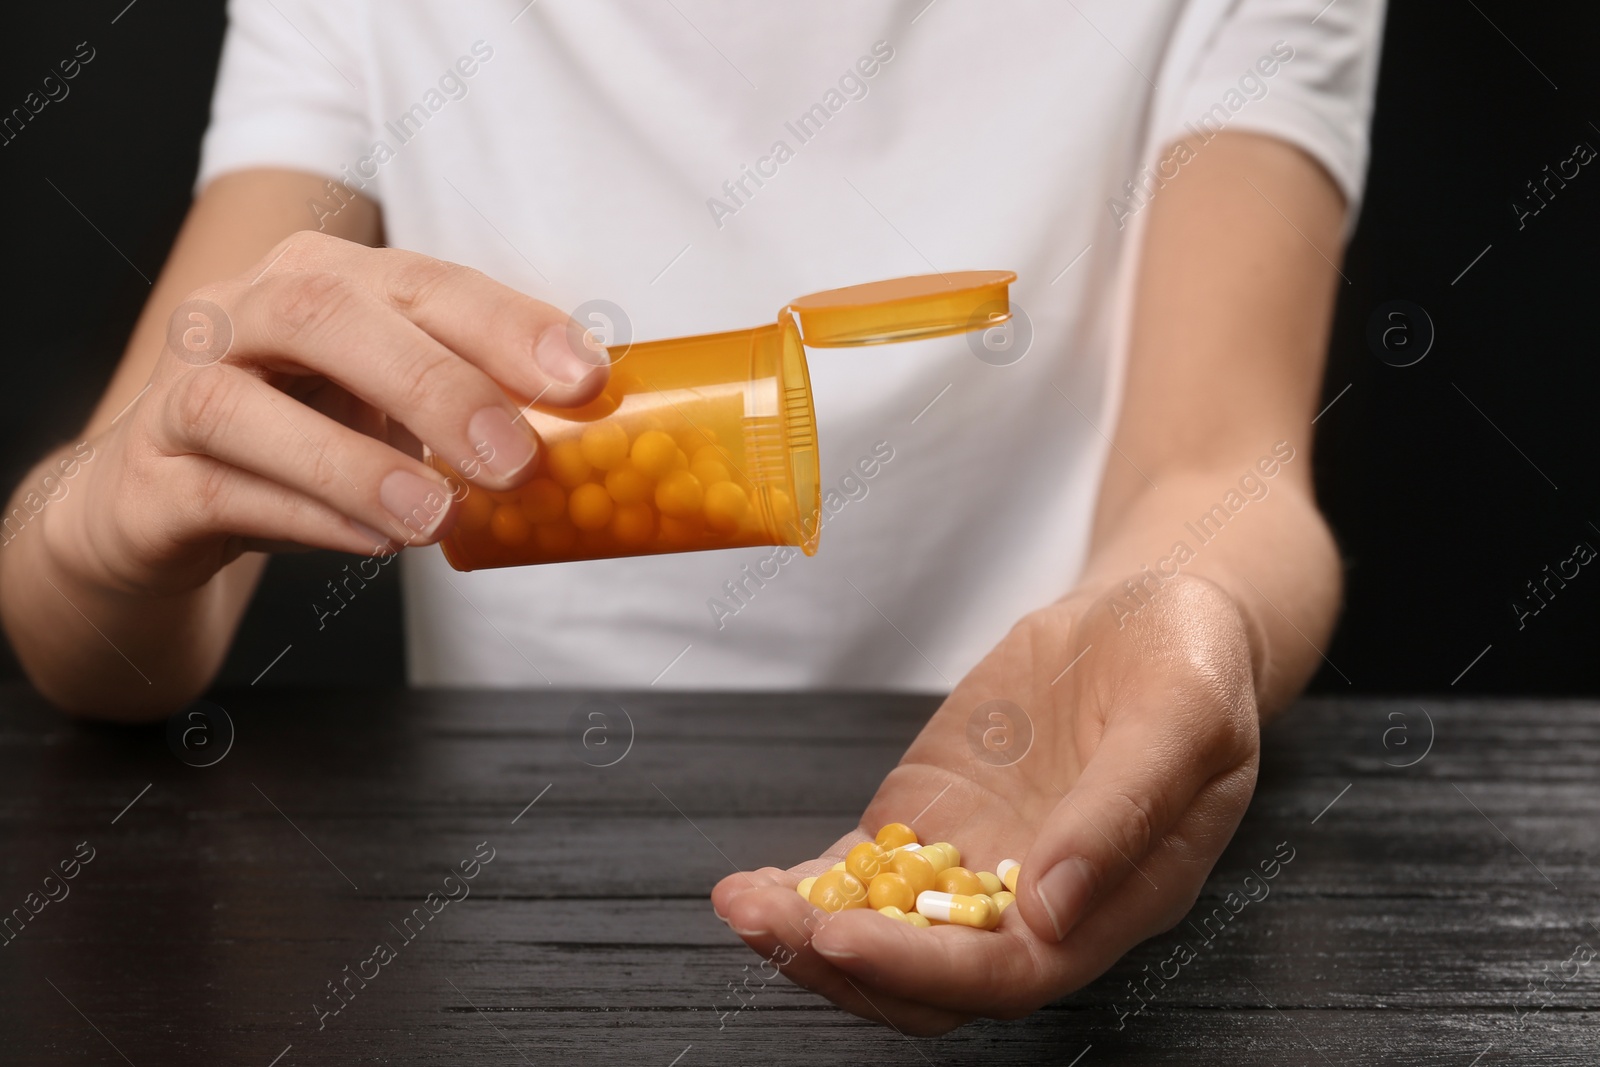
1101 518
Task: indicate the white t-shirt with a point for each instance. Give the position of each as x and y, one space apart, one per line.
599 149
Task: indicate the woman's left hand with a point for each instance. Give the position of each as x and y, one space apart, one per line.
1141 762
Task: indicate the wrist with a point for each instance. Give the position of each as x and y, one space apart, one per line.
1183 599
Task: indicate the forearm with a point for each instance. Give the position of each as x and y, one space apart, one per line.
93 642
1274 556
94 650
1211 473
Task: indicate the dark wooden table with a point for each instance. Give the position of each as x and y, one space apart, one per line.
1439 913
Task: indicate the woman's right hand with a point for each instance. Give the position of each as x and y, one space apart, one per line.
290 407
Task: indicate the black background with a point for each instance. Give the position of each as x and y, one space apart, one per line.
1449 483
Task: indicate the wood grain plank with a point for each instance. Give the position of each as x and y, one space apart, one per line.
1424 906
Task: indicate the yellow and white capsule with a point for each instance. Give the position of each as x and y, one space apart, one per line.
994 910
1008 870
956 908
804 888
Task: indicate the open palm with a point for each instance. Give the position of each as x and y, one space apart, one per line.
1116 782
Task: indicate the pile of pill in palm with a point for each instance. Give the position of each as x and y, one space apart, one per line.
922 885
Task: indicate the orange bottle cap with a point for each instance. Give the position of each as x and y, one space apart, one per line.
905 309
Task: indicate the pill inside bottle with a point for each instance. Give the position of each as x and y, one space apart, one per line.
698 443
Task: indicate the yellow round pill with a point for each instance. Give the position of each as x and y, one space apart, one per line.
555 538
896 834
783 512
1003 899
567 465
590 506
680 495
707 464
633 524
627 485
804 888
897 914
725 506
914 868
838 891
654 452
508 525
695 438
957 880
680 532
604 445
543 501
888 888
837 866
621 383
918 920
991 883
865 861
475 509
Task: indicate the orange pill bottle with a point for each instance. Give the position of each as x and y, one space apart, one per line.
702 442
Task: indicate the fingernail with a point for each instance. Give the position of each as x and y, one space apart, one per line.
1064 890
419 504
748 933
378 541
835 953
510 446
555 355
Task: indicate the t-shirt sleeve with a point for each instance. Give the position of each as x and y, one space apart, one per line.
291 89
1295 70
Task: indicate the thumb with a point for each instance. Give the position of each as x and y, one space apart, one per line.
1134 788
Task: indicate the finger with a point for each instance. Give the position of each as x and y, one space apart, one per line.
217 500
327 325
778 925
230 414
1140 780
1011 971
724 892
1003 973
525 344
